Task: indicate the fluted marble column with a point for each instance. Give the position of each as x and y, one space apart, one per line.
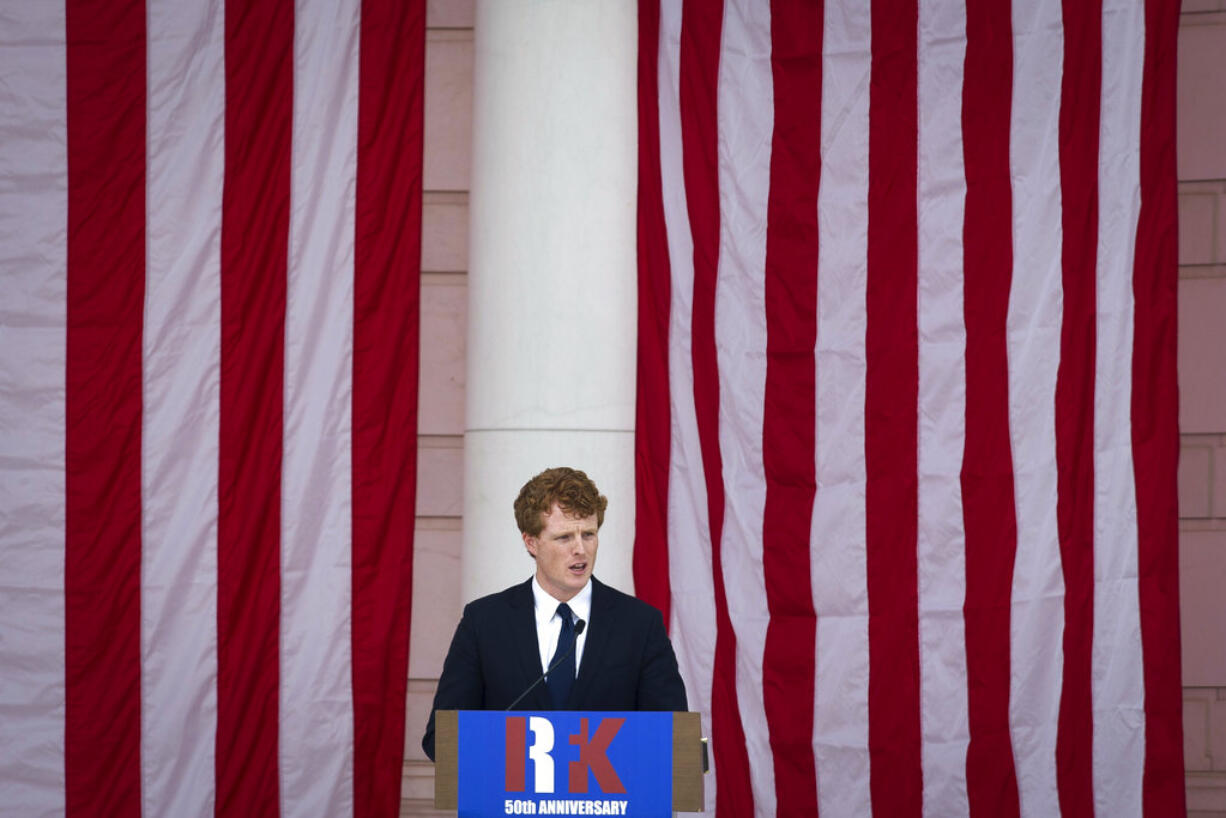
551 320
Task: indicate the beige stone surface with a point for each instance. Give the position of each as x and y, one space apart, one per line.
1198 214
1217 503
417 782
1206 795
444 309
448 114
450 13
417 712
1217 730
1204 743
444 261
1219 225
436 596
440 462
1202 578
1198 703
444 228
1201 102
1202 355
1194 465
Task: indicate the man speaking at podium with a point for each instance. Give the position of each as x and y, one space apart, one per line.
563 640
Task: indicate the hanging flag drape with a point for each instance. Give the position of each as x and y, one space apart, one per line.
907 428
211 221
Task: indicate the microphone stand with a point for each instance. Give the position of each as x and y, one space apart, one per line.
579 626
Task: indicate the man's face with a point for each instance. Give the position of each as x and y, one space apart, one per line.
565 553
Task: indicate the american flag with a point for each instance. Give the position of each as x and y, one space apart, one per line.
907 430
210 222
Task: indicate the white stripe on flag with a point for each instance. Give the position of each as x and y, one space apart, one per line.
689 529
942 409
840 591
1035 308
1117 680
33 235
745 123
179 447
316 730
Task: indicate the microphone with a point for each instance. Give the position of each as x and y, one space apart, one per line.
579 626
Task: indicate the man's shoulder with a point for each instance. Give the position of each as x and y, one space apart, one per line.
499 601
625 604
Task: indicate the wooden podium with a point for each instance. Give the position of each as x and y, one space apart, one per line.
627 763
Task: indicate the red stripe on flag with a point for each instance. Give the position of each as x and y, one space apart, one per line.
652 429
891 398
1080 104
789 417
1155 417
254 241
387 275
701 25
988 507
106 290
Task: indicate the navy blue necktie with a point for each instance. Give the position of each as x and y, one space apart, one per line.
562 678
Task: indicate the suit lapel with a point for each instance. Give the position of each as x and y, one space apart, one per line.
594 648
526 648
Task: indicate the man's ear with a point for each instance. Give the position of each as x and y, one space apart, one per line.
530 543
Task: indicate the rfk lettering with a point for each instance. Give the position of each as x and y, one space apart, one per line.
593 755
542 743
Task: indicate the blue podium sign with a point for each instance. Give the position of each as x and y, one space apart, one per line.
565 763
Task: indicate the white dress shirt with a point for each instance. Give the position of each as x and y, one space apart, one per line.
549 624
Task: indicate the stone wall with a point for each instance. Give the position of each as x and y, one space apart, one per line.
444 292
1202 385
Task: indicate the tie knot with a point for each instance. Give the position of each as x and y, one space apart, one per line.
565 614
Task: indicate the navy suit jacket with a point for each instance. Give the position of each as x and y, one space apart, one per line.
627 662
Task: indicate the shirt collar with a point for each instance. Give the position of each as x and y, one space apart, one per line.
546 606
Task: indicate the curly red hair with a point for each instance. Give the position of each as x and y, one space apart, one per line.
572 490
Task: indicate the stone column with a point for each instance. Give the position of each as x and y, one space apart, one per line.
551 319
